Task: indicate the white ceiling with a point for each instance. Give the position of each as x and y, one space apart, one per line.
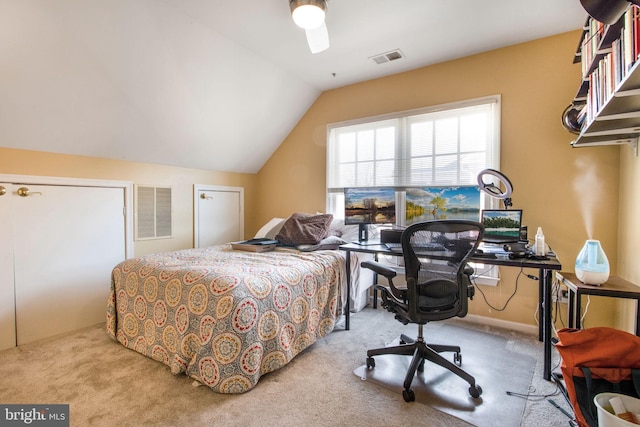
218 84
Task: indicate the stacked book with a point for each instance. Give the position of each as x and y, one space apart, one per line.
608 53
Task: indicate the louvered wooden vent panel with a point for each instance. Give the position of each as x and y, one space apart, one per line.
153 212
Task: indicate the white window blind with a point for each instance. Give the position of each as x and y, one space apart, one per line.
442 145
153 212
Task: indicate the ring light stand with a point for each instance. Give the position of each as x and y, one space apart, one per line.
494 190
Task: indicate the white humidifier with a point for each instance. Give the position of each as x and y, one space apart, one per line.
592 265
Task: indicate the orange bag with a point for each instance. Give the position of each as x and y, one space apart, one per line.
595 360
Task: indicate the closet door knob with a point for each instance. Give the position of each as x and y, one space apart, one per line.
25 192
3 190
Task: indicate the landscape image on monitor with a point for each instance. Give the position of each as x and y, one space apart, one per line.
431 203
369 206
502 222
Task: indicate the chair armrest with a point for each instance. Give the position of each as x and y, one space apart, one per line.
468 270
398 293
379 269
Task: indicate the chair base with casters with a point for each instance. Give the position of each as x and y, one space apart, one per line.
422 351
438 287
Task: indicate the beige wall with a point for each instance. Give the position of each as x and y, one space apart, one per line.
537 80
23 162
628 232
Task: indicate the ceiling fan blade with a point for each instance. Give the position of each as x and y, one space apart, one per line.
318 38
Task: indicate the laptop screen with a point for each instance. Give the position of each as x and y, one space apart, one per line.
501 225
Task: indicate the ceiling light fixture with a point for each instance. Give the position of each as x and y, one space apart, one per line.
308 14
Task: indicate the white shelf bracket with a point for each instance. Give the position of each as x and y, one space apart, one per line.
632 142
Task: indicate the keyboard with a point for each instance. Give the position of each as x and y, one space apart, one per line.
487 255
397 247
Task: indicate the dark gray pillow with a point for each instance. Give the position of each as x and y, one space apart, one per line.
304 229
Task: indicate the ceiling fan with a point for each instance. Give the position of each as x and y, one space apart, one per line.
309 15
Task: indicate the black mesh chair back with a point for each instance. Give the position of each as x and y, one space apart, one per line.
435 255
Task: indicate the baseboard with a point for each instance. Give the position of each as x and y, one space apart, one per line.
504 324
489 321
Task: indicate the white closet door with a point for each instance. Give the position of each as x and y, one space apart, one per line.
219 215
70 238
7 300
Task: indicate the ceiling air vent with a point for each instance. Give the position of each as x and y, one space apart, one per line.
394 55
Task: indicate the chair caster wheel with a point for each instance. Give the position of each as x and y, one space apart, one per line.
475 391
371 363
457 359
408 395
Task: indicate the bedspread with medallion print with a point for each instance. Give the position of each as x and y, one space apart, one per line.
225 317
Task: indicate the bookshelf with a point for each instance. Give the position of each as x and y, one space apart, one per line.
608 99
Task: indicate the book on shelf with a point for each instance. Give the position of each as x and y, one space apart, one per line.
609 53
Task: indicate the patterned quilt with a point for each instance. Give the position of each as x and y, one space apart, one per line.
225 317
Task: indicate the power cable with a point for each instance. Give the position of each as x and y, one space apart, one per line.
520 273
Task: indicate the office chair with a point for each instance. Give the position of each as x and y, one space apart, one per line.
438 287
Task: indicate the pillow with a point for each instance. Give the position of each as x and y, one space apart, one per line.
346 232
328 243
270 229
304 229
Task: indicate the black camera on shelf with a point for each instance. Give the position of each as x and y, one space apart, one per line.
516 247
519 254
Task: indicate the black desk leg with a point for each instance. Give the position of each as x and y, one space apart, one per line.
347 308
578 314
572 308
638 317
545 278
375 295
375 281
541 300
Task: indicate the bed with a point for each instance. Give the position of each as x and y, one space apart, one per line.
226 317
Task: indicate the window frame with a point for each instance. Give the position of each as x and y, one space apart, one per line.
335 205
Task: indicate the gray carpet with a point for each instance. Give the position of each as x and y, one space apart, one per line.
106 384
487 357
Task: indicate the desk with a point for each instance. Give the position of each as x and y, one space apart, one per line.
545 268
615 287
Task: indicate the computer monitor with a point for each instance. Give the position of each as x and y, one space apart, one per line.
442 202
368 205
501 225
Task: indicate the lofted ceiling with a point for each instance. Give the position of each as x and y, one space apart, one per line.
219 84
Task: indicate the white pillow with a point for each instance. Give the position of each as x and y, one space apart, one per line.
270 229
348 233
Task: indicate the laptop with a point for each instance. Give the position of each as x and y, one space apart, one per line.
501 225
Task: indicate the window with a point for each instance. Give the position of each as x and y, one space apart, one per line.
153 212
444 145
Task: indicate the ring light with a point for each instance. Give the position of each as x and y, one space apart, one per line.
494 190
